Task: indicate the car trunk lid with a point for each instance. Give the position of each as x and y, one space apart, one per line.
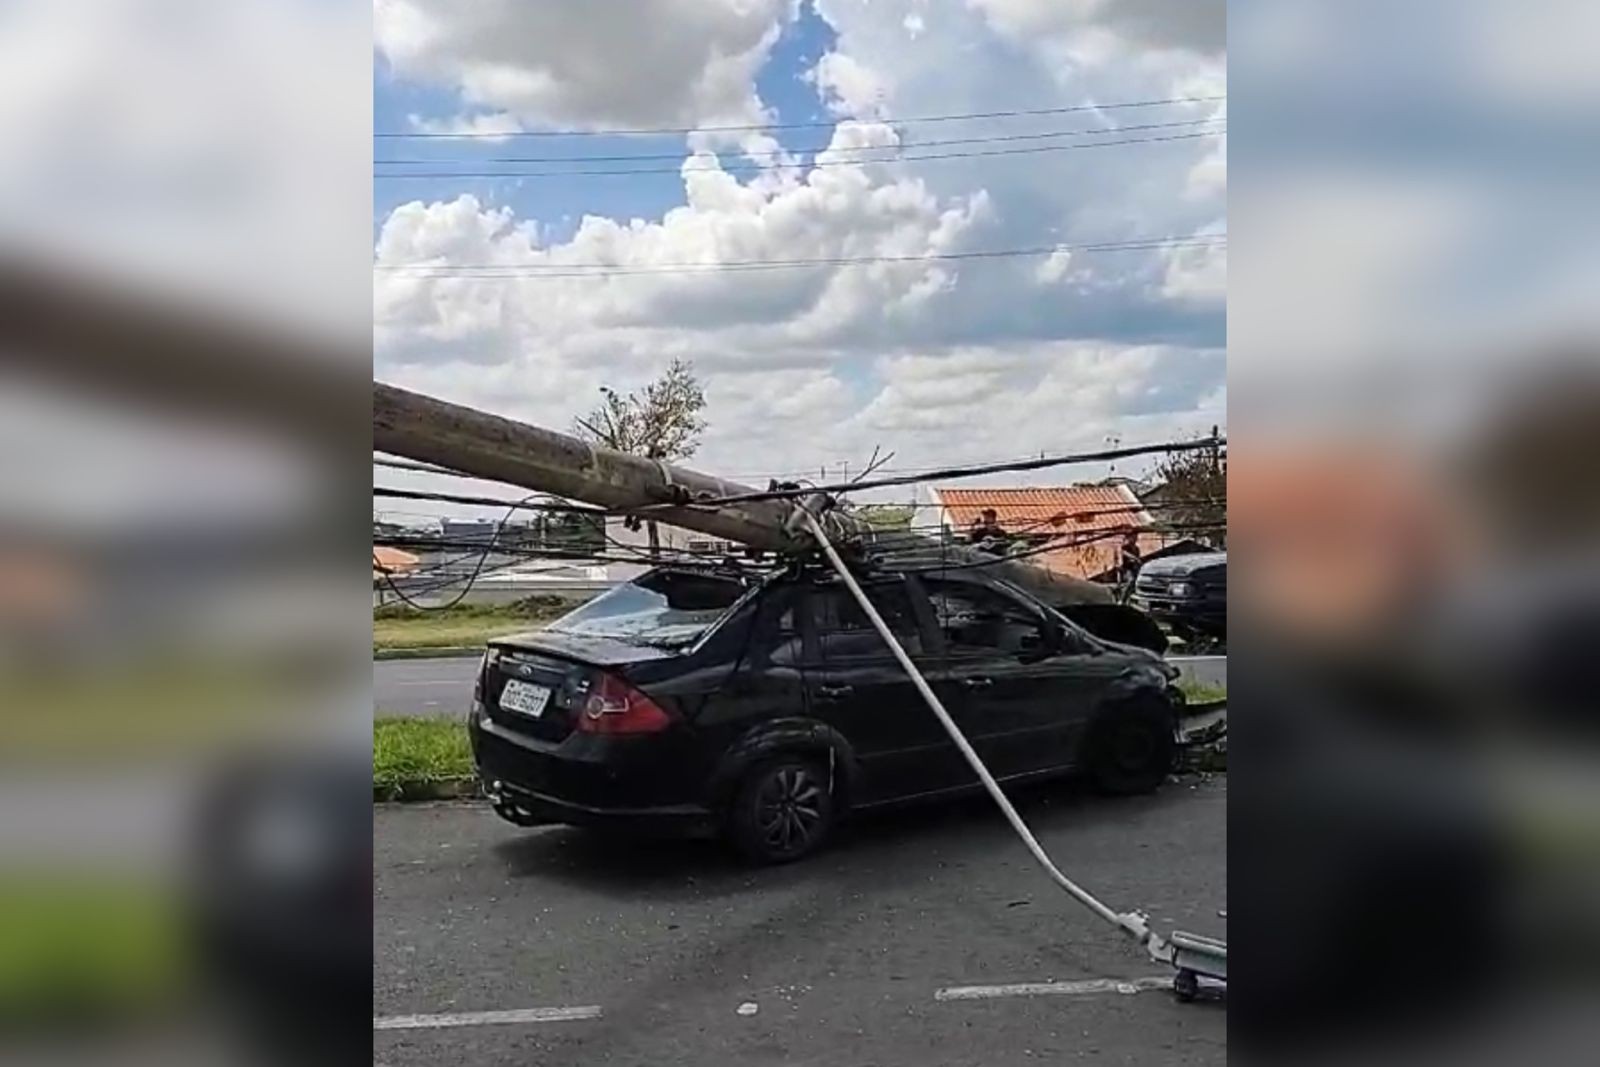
538 684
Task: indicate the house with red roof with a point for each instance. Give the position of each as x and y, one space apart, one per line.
1076 530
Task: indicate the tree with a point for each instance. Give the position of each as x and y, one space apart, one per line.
1192 490
886 516
660 421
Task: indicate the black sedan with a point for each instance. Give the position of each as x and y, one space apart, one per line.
766 707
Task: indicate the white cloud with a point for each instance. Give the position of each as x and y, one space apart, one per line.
1198 274
940 360
1054 267
831 212
598 64
847 87
1101 25
1045 397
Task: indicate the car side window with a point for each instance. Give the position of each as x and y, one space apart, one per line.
845 633
974 618
785 647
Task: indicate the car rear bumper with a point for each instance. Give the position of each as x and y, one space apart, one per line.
688 820
571 791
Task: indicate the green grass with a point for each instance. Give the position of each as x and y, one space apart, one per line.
1202 694
412 752
461 626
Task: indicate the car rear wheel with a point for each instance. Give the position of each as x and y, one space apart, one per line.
783 810
1131 750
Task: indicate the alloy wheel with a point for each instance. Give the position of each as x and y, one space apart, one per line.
790 809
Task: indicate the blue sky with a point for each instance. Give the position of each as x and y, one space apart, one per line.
559 202
1020 354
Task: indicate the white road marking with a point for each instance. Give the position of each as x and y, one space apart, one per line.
1054 989
485 1018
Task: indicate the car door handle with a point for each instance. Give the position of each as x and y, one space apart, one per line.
977 683
835 692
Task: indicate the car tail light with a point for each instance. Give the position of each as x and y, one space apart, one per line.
615 707
491 657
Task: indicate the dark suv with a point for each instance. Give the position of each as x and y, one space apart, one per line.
766 707
1189 595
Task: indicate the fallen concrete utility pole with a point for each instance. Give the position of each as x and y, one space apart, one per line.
474 442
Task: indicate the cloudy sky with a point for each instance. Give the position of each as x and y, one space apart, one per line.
523 295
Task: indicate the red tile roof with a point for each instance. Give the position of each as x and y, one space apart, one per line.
1058 512
386 559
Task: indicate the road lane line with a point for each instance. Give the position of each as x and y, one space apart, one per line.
1087 987
485 1018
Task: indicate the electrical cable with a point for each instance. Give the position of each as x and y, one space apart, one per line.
471 579
952 473
659 131
783 153
733 165
602 270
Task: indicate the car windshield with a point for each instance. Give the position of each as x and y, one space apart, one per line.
670 608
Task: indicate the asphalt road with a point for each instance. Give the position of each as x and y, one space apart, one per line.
415 688
427 687
629 952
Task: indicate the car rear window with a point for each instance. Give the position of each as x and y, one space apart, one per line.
670 608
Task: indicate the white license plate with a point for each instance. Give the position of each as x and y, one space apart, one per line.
524 698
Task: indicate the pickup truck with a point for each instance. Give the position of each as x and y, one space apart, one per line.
1188 595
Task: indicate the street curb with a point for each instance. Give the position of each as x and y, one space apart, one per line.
446 789
441 652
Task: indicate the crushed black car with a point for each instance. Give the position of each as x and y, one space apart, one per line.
765 707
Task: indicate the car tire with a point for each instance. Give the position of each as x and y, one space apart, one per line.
1132 749
782 811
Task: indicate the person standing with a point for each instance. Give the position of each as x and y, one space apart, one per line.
987 532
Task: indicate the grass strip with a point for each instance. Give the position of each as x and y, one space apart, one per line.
414 758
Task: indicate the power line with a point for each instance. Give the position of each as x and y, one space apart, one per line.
951 473
575 554
460 498
488 549
733 166
433 581
929 475
561 270
661 131
413 465
939 474
783 153
1055 545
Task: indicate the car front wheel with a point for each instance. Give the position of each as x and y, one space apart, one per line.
782 811
1132 749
